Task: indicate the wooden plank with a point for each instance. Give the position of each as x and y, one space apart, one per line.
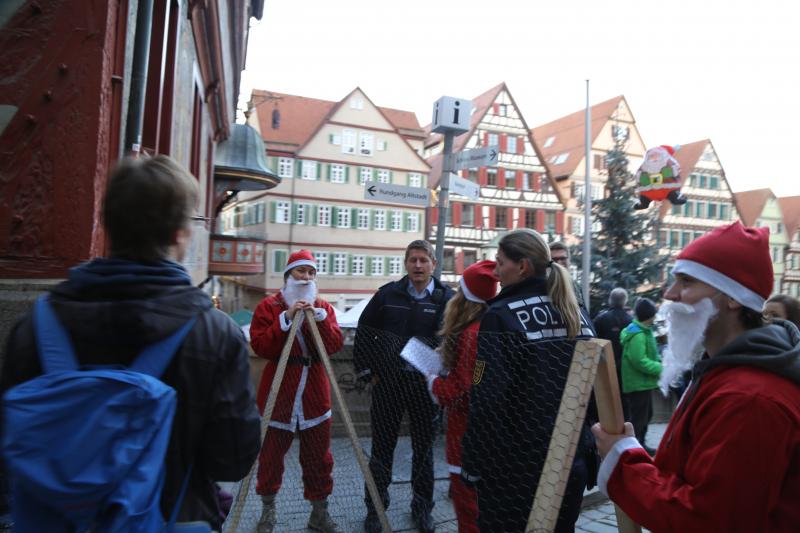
348 423
244 488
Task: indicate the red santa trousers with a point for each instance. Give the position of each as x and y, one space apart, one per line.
465 502
316 461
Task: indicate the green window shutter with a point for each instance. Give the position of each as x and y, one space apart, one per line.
354 218
273 164
391 177
307 208
368 266
315 213
280 260
328 177
405 221
385 266
330 138
273 211
334 217
371 219
295 208
347 174
319 172
349 263
408 178
299 168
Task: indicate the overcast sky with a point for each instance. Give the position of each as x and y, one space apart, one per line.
690 70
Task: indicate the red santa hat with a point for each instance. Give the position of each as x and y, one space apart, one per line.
478 283
299 258
670 150
734 260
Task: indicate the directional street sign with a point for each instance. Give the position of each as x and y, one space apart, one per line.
464 187
478 157
398 194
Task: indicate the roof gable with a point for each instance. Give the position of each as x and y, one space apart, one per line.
301 117
790 207
564 139
751 204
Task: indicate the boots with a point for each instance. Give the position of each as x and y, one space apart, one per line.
267 521
320 520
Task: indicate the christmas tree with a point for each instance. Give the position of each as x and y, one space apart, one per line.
624 249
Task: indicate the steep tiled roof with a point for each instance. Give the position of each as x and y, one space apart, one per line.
790 207
301 117
688 155
569 136
751 204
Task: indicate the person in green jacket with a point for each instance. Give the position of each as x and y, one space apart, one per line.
641 367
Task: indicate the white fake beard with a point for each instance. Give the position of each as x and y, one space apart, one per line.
686 329
297 290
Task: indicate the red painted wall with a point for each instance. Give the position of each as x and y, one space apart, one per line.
56 65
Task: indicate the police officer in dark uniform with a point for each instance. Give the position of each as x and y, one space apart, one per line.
525 346
410 307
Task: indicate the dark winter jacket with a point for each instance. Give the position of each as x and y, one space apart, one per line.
390 319
114 308
609 324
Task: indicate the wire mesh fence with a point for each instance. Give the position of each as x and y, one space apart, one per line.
506 400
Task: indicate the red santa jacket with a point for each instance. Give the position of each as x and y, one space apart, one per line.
729 460
304 399
452 392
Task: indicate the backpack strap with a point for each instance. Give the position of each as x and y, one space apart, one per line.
55 348
155 358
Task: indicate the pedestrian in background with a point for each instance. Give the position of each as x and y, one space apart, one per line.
783 307
459 333
559 252
526 342
609 324
730 457
641 367
112 308
400 310
303 403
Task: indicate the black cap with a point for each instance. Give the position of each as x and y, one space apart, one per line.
645 309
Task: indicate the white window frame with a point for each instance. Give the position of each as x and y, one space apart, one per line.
412 221
339 264
356 103
366 144
415 179
376 269
321 259
384 176
549 142
576 225
379 222
343 217
348 141
283 212
511 144
337 173
285 167
324 215
301 213
381 145
396 224
358 265
309 170
395 265
364 175
363 218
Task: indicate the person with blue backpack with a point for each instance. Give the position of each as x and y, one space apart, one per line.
126 394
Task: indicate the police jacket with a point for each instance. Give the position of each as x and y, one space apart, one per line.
520 372
390 319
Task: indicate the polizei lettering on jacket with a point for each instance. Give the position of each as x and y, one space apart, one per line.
538 314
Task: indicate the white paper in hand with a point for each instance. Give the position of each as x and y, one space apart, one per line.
422 357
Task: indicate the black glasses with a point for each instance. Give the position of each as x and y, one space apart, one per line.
198 217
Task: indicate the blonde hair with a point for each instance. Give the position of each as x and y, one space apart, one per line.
458 314
529 245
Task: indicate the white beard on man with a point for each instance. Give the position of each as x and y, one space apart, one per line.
686 328
297 290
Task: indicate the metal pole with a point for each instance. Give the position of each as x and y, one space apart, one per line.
444 190
587 207
141 58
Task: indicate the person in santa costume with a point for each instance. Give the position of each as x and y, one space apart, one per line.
462 320
304 398
730 457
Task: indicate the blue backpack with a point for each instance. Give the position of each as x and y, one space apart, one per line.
85 447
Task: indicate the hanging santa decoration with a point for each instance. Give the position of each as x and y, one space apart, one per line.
659 177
